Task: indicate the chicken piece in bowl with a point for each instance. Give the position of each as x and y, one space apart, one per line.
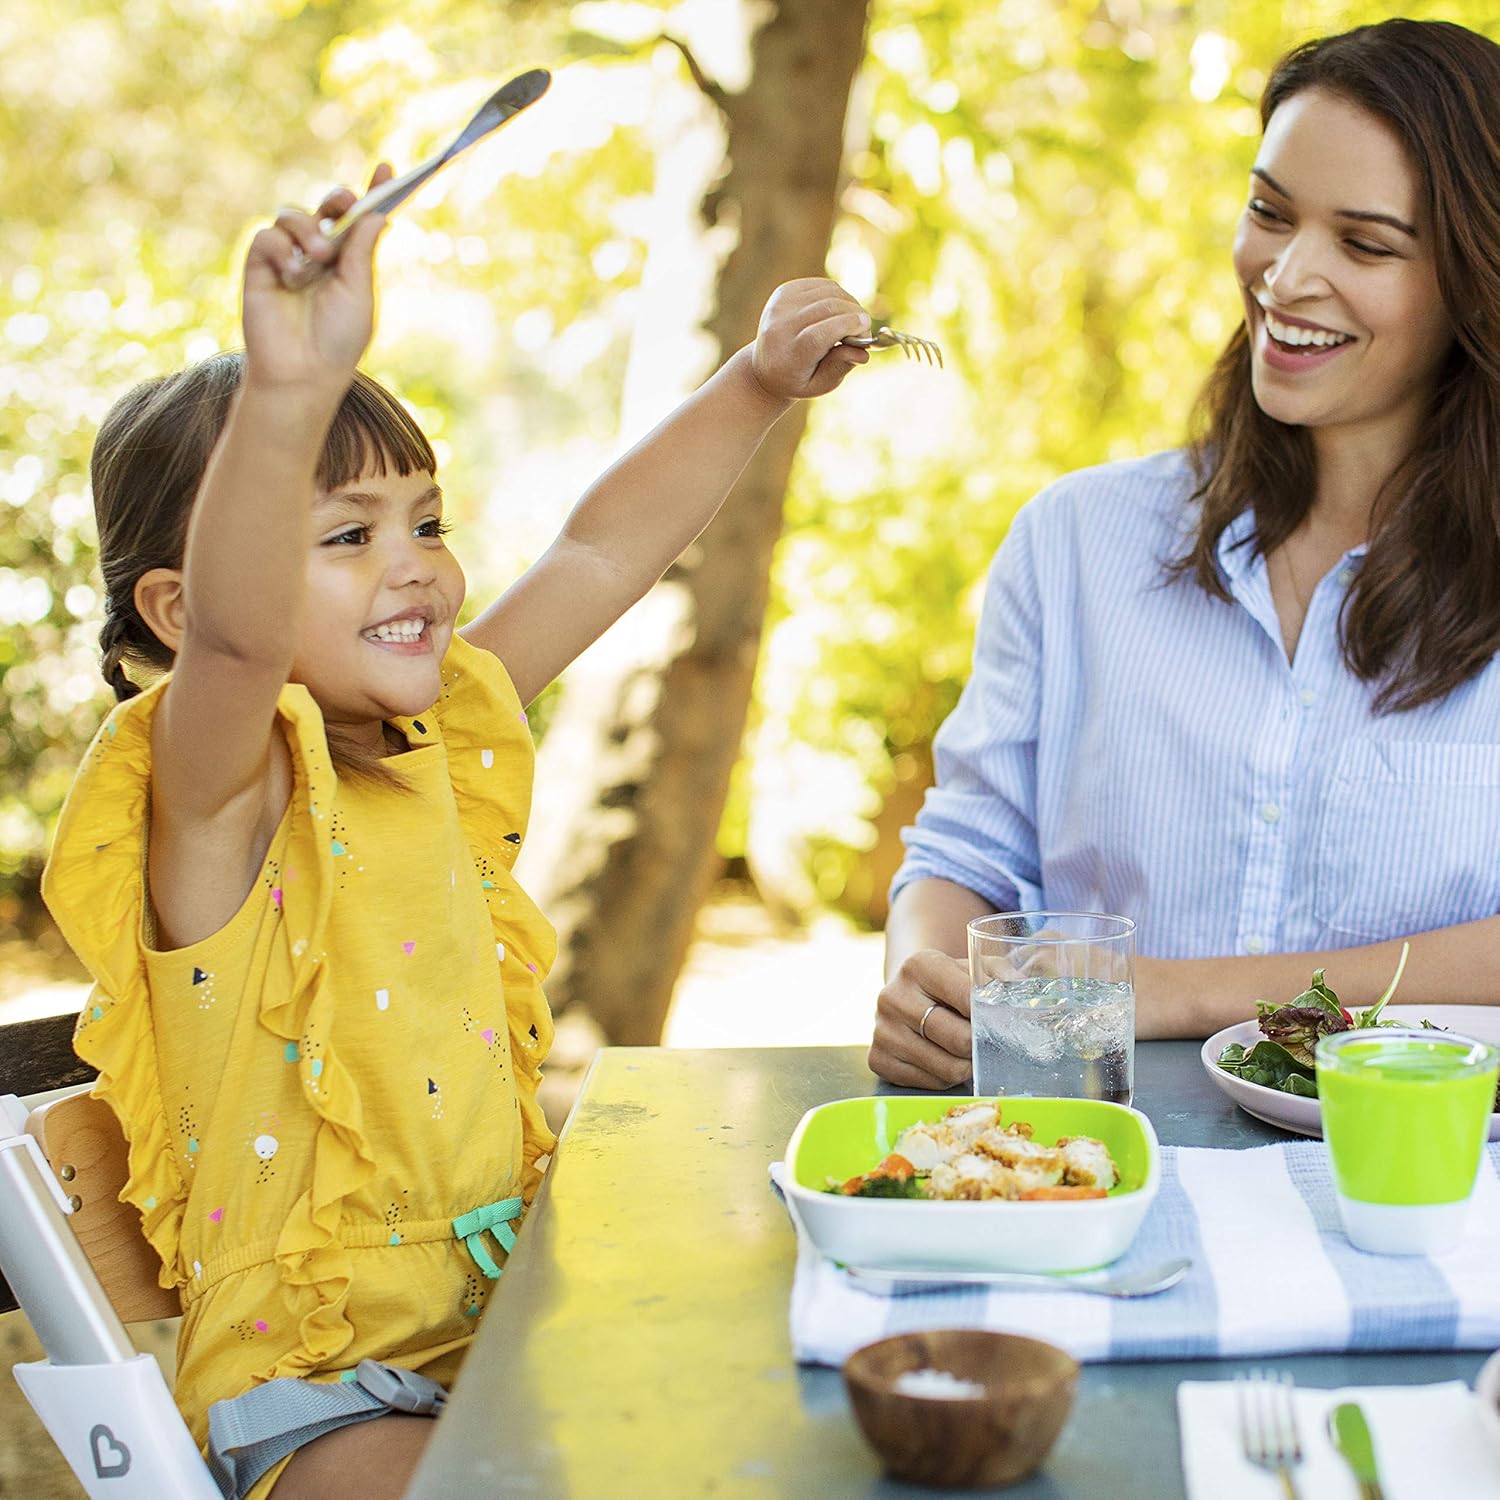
931 1143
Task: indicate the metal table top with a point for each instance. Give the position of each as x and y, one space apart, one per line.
637 1344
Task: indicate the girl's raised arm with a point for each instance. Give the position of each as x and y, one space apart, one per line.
231 614
642 512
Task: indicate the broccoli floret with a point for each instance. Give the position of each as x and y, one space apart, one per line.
887 1187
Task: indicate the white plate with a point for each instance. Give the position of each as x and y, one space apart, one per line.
1487 1394
1291 1112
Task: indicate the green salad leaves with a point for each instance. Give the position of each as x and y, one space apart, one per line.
1270 1065
1284 1059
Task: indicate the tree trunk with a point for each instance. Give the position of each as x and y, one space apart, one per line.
649 727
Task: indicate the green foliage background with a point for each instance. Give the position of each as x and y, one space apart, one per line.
1046 187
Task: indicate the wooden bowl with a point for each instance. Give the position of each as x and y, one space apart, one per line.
967 1441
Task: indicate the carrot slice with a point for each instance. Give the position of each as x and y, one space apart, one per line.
894 1168
1060 1194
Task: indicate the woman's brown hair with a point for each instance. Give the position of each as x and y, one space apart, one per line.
149 458
1424 613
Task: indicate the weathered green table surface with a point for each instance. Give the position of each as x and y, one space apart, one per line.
637 1343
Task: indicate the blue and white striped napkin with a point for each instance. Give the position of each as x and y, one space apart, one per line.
1272 1274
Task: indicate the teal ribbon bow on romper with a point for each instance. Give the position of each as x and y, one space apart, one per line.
495 1217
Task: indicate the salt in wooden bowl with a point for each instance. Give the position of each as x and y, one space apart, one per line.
995 1436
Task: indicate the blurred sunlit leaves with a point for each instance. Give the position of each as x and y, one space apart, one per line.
1047 187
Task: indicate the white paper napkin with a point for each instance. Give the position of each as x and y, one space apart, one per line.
1429 1444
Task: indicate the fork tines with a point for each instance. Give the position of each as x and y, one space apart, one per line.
1267 1413
886 337
915 348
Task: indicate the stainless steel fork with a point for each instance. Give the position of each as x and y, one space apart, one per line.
883 336
1268 1424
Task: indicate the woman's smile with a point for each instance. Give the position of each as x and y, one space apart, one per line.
1296 346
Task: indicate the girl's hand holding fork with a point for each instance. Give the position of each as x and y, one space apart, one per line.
797 353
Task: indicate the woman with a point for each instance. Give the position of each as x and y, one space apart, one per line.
1247 694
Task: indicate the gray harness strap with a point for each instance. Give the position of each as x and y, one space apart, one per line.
250 1433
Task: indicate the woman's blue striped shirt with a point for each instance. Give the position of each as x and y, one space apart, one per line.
1133 745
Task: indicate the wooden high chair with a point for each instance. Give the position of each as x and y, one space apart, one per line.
75 1261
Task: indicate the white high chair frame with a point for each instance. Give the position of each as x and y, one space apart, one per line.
107 1408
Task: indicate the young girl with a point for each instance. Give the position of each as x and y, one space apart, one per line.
287 864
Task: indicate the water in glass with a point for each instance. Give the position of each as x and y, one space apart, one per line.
1065 1037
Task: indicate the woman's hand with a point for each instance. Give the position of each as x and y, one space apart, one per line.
797 352
922 1023
312 335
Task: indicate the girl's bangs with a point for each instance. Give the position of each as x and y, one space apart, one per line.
371 432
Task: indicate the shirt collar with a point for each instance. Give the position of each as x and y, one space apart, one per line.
1237 553
1236 549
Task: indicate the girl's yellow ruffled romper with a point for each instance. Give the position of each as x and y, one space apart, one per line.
314 1094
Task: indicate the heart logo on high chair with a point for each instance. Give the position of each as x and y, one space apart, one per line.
111 1456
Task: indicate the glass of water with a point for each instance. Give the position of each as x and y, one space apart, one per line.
1052 1004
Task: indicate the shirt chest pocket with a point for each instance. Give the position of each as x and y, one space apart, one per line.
1409 838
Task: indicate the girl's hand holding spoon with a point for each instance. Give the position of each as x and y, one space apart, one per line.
298 334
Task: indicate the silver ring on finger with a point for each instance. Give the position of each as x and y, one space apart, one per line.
922 1024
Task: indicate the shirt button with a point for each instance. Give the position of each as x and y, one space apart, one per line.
1270 812
1308 697
1255 945
1346 576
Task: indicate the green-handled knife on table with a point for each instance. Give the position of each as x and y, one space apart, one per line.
1351 1436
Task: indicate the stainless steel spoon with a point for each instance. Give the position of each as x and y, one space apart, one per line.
504 104
1143 1282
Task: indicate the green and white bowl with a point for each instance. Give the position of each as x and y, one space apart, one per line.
849 1136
